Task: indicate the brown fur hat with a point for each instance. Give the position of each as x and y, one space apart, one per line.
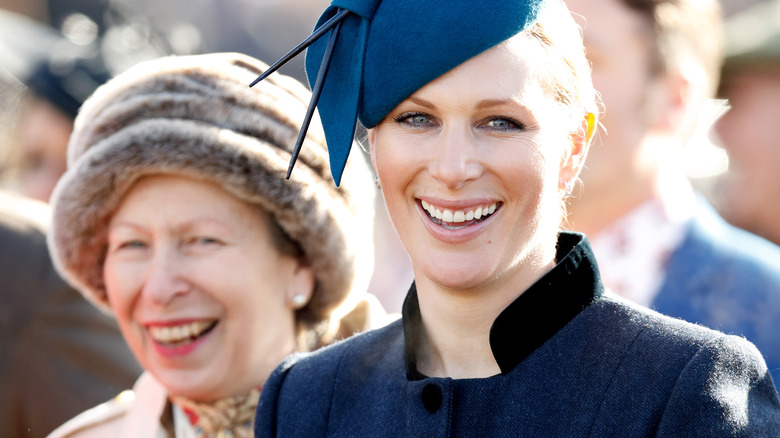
196 116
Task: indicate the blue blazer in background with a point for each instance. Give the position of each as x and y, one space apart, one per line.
727 279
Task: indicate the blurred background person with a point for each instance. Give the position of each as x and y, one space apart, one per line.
56 88
58 354
57 75
175 215
748 193
656 66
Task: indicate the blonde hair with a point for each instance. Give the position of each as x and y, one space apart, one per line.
566 75
684 30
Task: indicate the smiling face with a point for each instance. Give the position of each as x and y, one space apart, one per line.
201 294
471 168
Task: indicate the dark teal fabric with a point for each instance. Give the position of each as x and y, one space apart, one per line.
389 49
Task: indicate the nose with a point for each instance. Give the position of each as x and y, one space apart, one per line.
454 159
165 279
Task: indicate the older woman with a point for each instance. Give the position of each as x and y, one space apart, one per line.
175 216
480 114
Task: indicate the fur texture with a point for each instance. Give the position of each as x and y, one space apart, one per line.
196 116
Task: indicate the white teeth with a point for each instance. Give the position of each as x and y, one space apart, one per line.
179 333
459 216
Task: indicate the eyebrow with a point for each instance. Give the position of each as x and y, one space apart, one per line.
489 103
123 224
195 224
421 102
483 104
185 226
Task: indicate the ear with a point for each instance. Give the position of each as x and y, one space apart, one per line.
670 98
574 157
300 288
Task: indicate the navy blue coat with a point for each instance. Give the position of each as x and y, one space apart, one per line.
575 362
726 279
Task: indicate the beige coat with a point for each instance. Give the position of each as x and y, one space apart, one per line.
131 414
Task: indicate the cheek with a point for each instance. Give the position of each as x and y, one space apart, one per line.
262 290
122 292
121 280
543 160
390 158
396 163
544 172
261 322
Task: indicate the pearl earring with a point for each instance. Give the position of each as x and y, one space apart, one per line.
299 300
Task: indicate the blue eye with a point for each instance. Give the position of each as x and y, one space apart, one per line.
206 240
131 244
504 124
414 119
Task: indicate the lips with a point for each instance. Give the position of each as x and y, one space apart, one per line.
180 334
457 219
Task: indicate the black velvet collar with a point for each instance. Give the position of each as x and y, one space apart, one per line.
535 316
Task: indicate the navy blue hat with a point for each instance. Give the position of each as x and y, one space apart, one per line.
380 52
66 82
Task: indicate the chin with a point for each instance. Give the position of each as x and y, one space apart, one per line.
462 275
195 385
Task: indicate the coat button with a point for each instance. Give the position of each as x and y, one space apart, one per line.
431 397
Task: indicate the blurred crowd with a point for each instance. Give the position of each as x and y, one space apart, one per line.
54 54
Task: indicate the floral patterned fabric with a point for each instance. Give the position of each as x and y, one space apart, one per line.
227 418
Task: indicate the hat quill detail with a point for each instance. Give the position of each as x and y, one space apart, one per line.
335 24
380 52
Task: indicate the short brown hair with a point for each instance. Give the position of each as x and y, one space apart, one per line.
684 29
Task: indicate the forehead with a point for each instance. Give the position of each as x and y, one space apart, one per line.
172 196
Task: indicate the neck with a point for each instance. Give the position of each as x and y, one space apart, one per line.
659 177
457 323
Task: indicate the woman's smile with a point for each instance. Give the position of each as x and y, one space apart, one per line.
178 340
180 333
453 223
453 219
